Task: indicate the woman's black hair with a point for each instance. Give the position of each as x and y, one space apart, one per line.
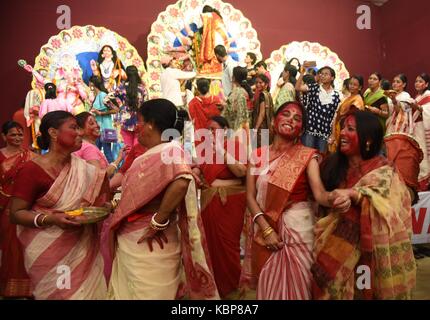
298 104
385 84
290 62
10 125
189 85
402 77
240 75
332 73
311 71
163 114
346 83
221 121
82 117
53 119
131 89
203 85
253 57
292 70
378 75
426 79
335 167
50 91
330 69
98 83
359 79
263 78
261 64
309 79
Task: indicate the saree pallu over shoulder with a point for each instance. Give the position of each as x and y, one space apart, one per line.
376 234
284 179
52 252
149 175
370 98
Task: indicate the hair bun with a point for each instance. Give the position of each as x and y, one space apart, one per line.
42 143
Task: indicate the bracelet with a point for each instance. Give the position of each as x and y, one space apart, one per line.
256 216
114 165
158 226
35 220
267 232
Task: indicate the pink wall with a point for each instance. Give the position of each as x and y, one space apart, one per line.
278 22
404 35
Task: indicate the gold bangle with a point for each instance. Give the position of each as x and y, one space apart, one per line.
267 232
42 222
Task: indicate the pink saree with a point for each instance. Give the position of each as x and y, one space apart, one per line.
66 264
182 268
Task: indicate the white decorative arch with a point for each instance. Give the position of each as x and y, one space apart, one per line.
63 49
306 51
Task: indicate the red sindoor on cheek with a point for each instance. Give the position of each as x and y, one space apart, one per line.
67 138
353 144
282 119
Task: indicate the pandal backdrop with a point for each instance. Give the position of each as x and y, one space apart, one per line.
66 57
77 46
176 33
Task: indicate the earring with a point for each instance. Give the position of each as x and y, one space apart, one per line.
368 146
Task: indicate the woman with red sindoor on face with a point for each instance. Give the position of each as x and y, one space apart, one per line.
50 185
374 234
278 255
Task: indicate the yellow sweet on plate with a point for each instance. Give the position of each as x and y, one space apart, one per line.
76 212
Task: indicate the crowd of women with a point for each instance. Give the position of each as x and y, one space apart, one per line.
291 221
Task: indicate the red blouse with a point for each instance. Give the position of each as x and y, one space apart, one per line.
32 182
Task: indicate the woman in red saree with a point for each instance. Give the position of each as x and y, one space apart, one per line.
204 106
61 256
374 235
153 260
279 245
14 281
223 205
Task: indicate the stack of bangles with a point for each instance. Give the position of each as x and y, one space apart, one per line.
267 232
158 226
42 222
